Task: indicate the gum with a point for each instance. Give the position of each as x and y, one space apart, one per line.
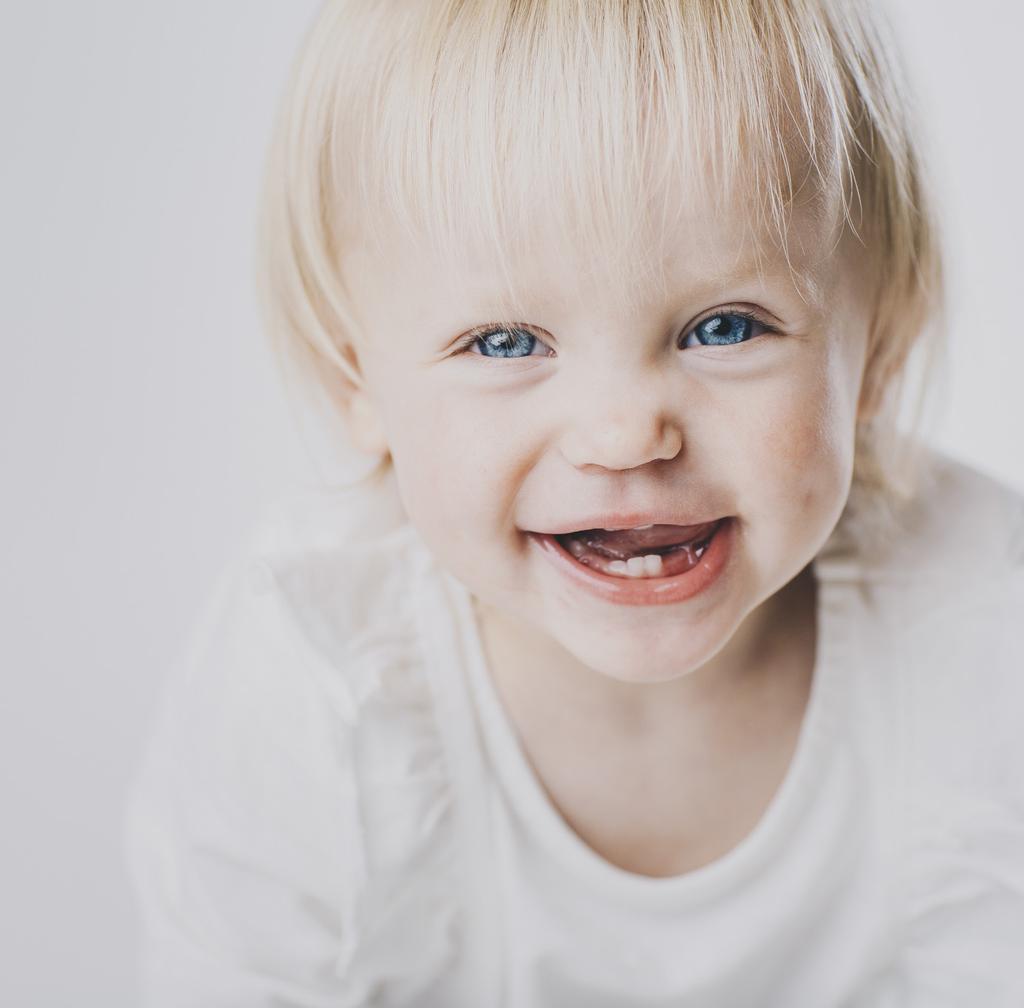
675 561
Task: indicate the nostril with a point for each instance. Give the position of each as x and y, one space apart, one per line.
625 443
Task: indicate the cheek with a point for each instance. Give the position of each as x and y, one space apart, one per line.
450 461
798 454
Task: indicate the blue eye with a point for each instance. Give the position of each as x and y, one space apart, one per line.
502 342
513 343
723 329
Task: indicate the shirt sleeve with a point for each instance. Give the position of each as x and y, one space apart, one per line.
243 837
962 939
966 936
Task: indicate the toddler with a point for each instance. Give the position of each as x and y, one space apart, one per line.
647 665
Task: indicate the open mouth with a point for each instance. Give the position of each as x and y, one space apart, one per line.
655 551
650 565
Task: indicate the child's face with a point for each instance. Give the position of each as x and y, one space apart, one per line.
607 413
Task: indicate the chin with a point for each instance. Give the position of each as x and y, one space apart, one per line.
641 661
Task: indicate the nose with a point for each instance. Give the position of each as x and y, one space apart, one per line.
622 429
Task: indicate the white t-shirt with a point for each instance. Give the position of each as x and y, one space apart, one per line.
335 809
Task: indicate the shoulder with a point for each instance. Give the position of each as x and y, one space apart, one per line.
959 526
964 515
940 594
947 564
941 647
296 766
313 629
317 573
953 573
944 602
962 692
339 567
936 621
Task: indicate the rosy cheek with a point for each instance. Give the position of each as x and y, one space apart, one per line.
795 452
823 462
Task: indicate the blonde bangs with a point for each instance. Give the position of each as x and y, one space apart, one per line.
489 123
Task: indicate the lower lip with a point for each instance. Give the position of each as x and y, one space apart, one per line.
643 591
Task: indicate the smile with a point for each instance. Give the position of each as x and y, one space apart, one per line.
658 572
650 551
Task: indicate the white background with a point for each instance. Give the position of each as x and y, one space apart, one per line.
141 425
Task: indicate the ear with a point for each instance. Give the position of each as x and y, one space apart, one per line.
871 393
359 407
365 422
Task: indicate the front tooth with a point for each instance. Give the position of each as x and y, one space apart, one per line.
648 565
635 566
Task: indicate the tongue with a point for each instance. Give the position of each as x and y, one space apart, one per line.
636 542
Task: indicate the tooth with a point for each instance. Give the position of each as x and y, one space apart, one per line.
639 527
648 565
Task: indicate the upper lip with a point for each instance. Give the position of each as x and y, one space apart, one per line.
624 520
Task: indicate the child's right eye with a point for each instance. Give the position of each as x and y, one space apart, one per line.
501 341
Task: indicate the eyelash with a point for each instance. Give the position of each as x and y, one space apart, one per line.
471 339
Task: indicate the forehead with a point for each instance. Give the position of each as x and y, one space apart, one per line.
681 249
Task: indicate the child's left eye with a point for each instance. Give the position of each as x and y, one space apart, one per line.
723 329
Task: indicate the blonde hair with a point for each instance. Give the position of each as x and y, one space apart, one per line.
464 119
